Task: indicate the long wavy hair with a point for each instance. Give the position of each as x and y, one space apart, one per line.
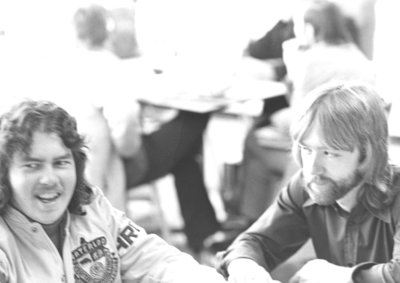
351 116
17 127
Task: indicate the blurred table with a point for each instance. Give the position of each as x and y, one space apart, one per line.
228 100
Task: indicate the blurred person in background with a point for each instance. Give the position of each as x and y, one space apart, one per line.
177 54
171 146
386 57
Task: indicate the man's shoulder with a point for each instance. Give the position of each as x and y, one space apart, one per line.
6 236
99 209
396 174
395 182
3 226
395 205
97 198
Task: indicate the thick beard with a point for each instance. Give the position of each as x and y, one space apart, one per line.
331 191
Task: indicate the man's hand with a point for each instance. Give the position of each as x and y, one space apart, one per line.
321 271
245 270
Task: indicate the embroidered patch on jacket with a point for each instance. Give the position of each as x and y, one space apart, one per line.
127 236
93 262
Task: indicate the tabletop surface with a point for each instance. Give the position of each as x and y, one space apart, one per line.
240 91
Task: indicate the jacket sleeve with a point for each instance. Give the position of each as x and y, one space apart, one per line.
275 236
152 260
147 258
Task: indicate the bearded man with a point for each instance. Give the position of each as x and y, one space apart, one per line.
344 198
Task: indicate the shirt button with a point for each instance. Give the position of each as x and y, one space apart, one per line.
63 278
34 229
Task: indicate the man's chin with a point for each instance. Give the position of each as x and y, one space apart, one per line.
319 196
321 201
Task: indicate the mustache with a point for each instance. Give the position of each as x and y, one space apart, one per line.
317 179
48 188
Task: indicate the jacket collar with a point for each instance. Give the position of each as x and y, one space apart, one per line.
15 216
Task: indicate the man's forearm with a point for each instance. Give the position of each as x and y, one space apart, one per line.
377 273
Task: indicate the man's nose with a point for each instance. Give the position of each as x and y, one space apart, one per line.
316 164
48 176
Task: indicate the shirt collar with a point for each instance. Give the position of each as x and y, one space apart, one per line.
349 201
383 215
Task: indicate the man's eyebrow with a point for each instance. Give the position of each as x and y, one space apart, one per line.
28 157
65 156
322 147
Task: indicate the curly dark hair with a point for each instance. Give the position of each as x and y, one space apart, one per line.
17 127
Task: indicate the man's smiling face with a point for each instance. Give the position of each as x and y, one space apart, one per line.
43 181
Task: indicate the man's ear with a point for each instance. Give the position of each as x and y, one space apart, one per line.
365 159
